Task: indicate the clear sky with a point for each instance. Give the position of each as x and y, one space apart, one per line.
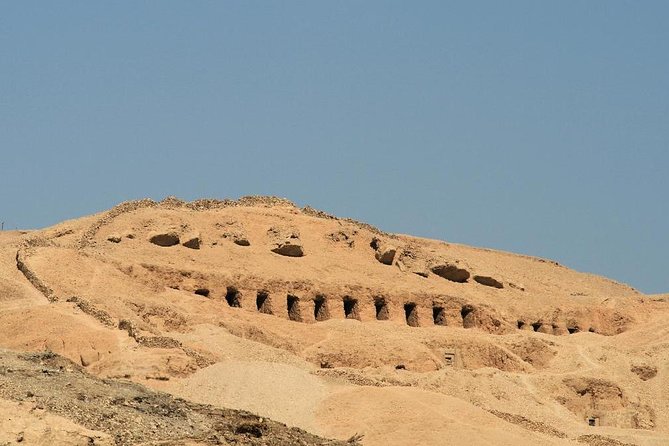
539 127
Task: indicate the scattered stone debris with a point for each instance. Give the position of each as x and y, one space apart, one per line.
132 414
31 276
308 210
344 236
535 426
91 310
600 440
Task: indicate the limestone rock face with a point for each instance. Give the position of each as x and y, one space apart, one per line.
387 255
167 238
451 272
413 259
385 252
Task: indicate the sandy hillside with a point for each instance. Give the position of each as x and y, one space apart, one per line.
330 326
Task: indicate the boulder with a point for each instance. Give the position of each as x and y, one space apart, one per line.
192 241
169 238
238 237
114 238
384 252
289 249
451 272
386 255
241 241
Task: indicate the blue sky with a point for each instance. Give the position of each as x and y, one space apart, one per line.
529 126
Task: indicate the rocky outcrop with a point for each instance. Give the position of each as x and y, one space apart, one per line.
383 251
238 237
289 249
286 241
412 259
114 238
234 231
344 236
451 272
488 281
594 393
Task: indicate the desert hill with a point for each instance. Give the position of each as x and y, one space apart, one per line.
331 326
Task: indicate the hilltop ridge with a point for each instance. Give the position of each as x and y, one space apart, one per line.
329 325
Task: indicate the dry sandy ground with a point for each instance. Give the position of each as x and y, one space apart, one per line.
22 423
337 328
47 399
